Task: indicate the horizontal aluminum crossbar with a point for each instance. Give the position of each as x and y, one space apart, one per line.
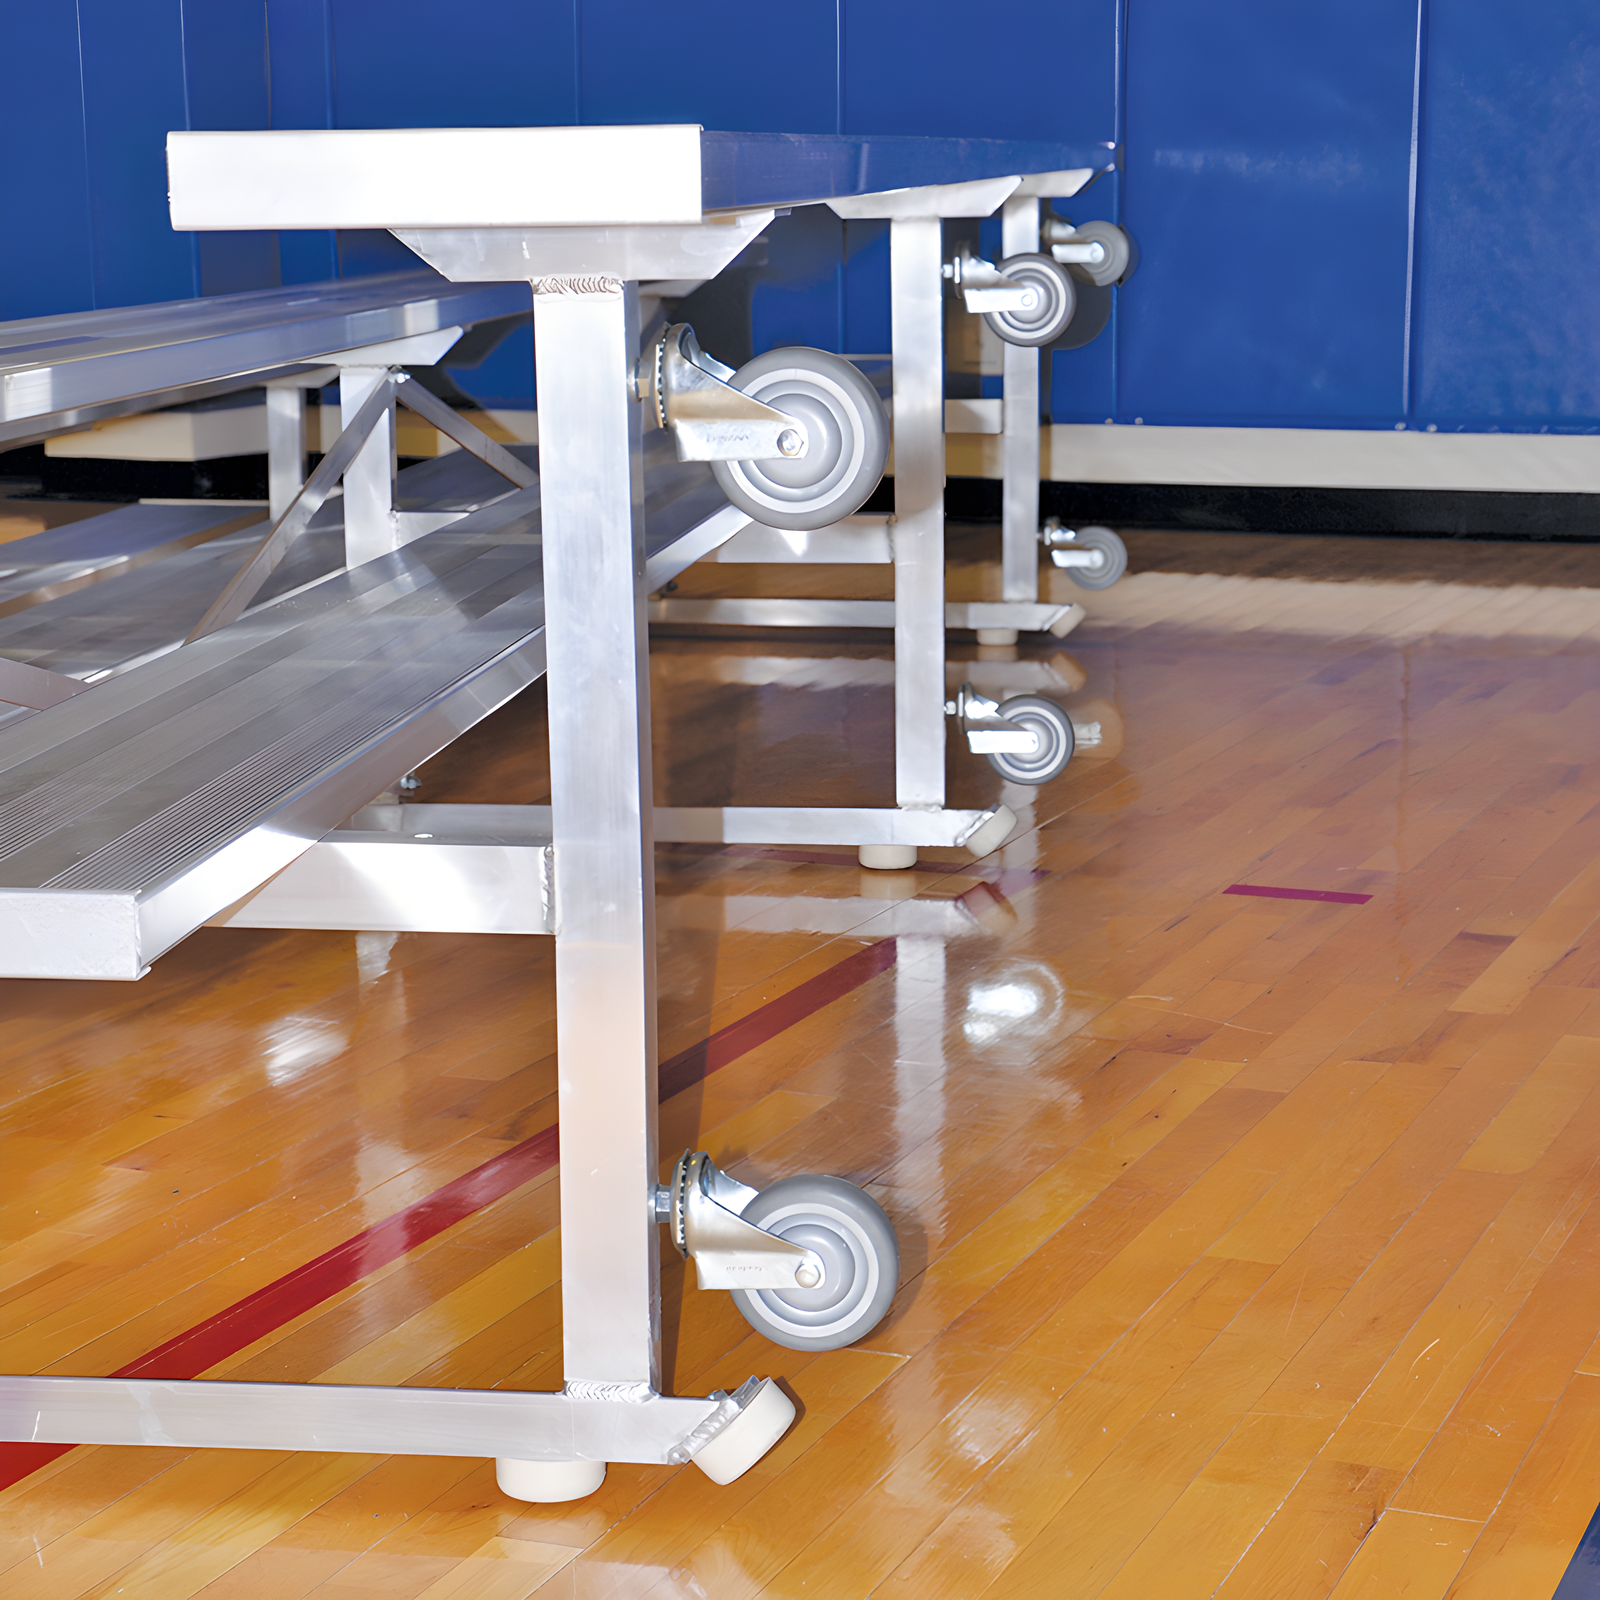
835 825
1022 615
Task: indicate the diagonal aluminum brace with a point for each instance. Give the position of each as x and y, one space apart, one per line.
472 439
265 559
23 685
267 556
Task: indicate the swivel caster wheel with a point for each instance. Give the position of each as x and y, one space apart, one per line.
1112 556
1118 262
1055 302
548 1482
847 439
1051 726
860 1255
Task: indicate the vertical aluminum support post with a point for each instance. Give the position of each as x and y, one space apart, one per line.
286 446
917 327
370 527
1019 524
586 333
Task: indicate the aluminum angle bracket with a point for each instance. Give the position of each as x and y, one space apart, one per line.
688 391
702 1207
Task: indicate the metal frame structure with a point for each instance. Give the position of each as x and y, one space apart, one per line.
922 420
62 374
919 613
392 623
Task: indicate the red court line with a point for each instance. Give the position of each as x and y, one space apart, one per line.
270 1307
727 1044
1298 894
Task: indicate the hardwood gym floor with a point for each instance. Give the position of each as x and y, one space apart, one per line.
1249 1240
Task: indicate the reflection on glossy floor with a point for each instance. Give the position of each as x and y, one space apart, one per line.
1248 1242
21 517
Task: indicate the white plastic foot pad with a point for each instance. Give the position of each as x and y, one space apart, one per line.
548 1481
889 857
989 836
1066 620
749 1436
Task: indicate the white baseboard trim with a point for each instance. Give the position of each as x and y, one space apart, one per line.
1294 458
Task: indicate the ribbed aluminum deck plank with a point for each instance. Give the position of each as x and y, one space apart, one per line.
68 368
139 612
132 814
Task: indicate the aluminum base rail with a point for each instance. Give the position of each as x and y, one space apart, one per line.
982 617
594 1425
490 868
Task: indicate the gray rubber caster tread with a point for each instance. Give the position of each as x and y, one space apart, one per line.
1090 319
861 1258
1058 301
1119 262
1054 728
847 435
1112 568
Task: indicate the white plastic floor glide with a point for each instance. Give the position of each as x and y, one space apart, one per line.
548 1482
749 1436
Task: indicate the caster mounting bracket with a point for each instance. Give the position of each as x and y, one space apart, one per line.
985 288
1061 542
701 1205
986 730
688 391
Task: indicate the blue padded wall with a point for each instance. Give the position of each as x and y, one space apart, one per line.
98 84
719 62
1508 328
1268 183
416 63
133 92
1046 69
226 77
300 80
1350 213
47 263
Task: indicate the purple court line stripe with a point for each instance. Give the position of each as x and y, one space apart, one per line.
1298 894
227 1332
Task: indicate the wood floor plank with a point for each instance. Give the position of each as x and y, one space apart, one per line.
1527 1544
1257 1363
1246 1242
1261 1499
1408 1554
